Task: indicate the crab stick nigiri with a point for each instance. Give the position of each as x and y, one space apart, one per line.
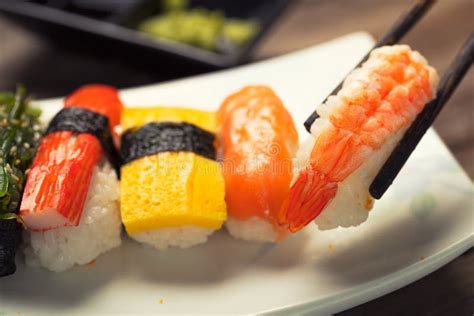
257 142
356 131
70 202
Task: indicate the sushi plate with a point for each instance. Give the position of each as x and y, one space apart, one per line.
423 222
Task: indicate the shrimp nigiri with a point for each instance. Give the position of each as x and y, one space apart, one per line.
356 131
257 142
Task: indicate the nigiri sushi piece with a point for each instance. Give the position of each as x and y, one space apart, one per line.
356 131
71 199
20 132
172 186
257 140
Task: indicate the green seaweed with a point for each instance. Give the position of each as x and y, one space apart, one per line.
200 27
19 135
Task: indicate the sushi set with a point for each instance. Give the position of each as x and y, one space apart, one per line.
189 167
173 191
141 183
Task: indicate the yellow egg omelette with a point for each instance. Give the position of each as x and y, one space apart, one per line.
175 196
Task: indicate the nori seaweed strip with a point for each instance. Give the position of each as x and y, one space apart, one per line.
411 138
154 138
393 35
79 120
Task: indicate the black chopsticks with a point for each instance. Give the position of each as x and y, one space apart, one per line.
394 34
424 120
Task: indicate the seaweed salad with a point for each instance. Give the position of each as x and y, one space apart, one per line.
20 132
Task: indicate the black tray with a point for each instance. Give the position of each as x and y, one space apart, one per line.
104 25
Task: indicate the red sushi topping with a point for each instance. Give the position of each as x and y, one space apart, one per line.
59 179
101 99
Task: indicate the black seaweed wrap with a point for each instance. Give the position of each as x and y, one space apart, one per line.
154 138
10 236
80 120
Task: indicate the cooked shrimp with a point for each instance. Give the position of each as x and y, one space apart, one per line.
353 136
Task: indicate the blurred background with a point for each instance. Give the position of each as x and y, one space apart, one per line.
53 62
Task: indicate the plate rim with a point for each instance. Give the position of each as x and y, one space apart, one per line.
379 287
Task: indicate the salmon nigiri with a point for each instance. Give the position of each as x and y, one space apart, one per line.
70 202
257 142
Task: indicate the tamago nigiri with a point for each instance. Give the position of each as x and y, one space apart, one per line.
172 187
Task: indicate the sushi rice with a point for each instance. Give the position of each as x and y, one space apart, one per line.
99 229
252 229
181 237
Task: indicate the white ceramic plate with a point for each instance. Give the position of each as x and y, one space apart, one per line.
423 222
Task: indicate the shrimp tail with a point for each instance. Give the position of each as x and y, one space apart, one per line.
309 195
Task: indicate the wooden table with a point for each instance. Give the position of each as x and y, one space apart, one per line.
50 71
